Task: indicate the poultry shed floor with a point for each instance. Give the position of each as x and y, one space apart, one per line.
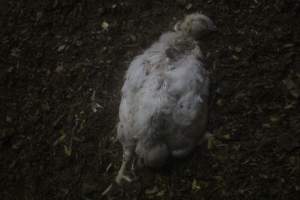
62 67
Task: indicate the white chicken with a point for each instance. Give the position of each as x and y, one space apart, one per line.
163 109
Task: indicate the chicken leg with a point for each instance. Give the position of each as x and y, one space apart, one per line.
127 157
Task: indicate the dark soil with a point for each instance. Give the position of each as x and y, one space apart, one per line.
62 67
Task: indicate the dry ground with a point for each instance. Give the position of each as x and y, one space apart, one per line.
62 65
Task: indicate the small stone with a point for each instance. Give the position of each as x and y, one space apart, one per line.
238 49
8 119
100 11
78 43
59 68
226 136
220 102
39 15
235 57
61 48
105 25
161 193
274 118
189 6
15 52
10 69
133 38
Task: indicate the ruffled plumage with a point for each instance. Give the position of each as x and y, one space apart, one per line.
163 109
164 98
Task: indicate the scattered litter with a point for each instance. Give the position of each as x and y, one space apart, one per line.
108 167
68 150
151 191
195 186
95 106
60 139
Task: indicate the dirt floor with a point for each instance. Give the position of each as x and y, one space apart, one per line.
62 67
